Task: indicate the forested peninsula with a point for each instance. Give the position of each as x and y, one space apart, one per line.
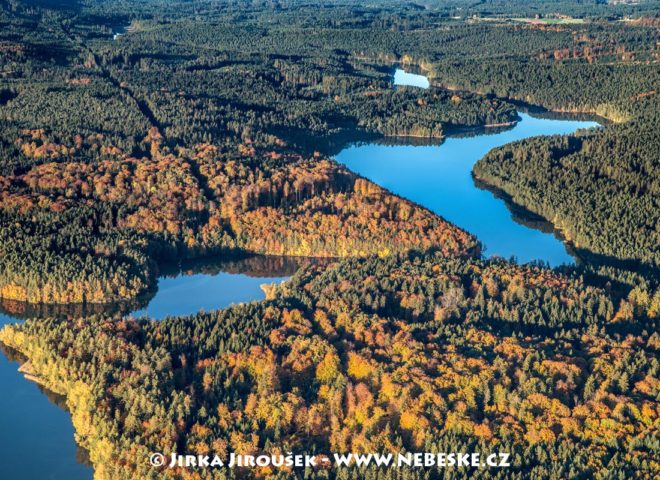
136 134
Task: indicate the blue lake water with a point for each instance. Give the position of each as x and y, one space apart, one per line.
187 294
439 178
36 435
403 78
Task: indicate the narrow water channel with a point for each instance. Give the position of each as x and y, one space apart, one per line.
439 177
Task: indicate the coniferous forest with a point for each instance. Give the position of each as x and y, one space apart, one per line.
133 134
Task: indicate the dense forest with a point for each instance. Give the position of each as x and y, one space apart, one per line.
569 179
163 146
132 136
406 353
600 188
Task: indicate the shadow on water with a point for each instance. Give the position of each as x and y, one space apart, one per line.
329 144
82 455
437 175
351 135
256 266
527 218
24 310
541 112
36 434
183 282
582 256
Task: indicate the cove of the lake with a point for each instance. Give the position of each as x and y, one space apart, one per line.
36 432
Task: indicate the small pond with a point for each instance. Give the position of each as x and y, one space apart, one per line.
403 78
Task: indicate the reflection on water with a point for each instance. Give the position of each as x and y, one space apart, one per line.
208 283
23 310
252 266
36 435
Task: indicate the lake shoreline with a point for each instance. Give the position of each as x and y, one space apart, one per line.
527 125
72 465
28 373
415 66
527 216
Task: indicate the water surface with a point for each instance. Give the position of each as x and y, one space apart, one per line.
403 78
439 177
36 434
189 290
119 31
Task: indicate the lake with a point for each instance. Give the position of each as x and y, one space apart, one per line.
119 30
403 78
36 433
206 286
439 177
